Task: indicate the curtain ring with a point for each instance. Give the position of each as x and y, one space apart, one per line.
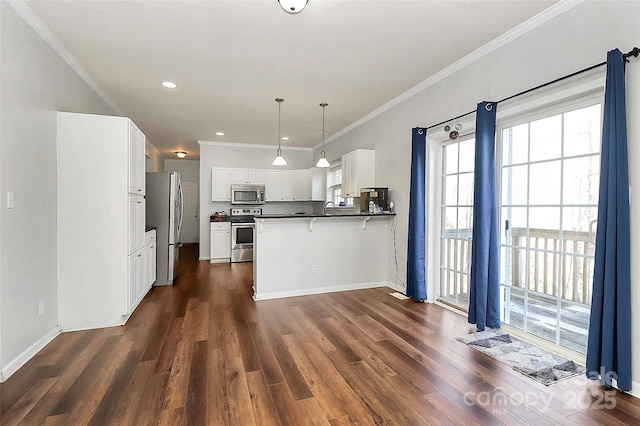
420 131
489 107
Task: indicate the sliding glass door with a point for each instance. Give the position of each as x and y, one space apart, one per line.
548 194
456 212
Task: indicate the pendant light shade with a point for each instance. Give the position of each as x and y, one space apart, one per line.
323 162
279 160
293 6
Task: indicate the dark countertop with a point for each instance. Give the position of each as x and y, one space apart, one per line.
211 219
304 216
150 228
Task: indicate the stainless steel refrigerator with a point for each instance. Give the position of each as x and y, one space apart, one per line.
164 210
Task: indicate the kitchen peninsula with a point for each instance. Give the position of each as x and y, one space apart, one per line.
297 255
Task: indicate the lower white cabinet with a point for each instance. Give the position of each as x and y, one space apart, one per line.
220 242
142 271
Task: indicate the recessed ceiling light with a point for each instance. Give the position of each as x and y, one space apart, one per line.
169 84
219 133
285 138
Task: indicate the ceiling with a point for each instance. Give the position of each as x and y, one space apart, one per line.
232 58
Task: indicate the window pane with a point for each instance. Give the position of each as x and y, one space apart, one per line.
517 229
574 326
582 131
450 218
546 137
466 189
545 218
467 155
581 180
451 190
515 145
513 307
580 219
450 158
465 219
541 316
514 185
544 184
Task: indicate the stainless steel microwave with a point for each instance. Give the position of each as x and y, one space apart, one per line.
247 194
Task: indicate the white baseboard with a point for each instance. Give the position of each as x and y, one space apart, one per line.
320 290
204 258
29 353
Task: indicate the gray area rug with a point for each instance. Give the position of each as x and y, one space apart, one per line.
530 360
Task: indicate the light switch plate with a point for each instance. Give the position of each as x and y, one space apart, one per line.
10 200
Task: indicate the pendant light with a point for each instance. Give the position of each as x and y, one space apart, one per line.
279 160
323 162
293 6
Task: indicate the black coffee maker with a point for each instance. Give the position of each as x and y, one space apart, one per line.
379 196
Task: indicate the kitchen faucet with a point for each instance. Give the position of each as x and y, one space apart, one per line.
327 205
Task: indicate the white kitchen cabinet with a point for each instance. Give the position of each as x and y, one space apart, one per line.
150 258
136 222
273 186
287 185
220 242
136 279
302 185
318 184
136 143
100 224
248 176
220 184
357 171
279 185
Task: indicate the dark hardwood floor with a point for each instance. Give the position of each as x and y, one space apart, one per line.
203 352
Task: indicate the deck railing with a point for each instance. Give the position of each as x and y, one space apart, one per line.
560 263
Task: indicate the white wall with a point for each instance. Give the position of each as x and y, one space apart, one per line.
214 154
574 40
35 83
189 169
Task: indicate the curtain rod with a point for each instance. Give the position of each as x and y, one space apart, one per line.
635 52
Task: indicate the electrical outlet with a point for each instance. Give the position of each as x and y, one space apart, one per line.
41 308
314 268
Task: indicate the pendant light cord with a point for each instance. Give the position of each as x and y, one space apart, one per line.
279 101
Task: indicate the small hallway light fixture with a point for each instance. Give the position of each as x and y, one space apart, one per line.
181 154
279 160
323 162
293 6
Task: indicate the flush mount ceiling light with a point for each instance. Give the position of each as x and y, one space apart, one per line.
279 160
323 162
293 7
169 84
219 133
181 154
284 138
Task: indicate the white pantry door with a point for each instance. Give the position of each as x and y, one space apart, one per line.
189 232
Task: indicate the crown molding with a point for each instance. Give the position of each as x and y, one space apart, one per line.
41 29
546 15
256 146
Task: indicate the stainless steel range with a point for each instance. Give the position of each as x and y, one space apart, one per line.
242 229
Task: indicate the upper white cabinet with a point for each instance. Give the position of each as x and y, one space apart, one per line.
220 184
318 184
244 176
302 185
357 171
100 221
136 222
279 185
137 143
